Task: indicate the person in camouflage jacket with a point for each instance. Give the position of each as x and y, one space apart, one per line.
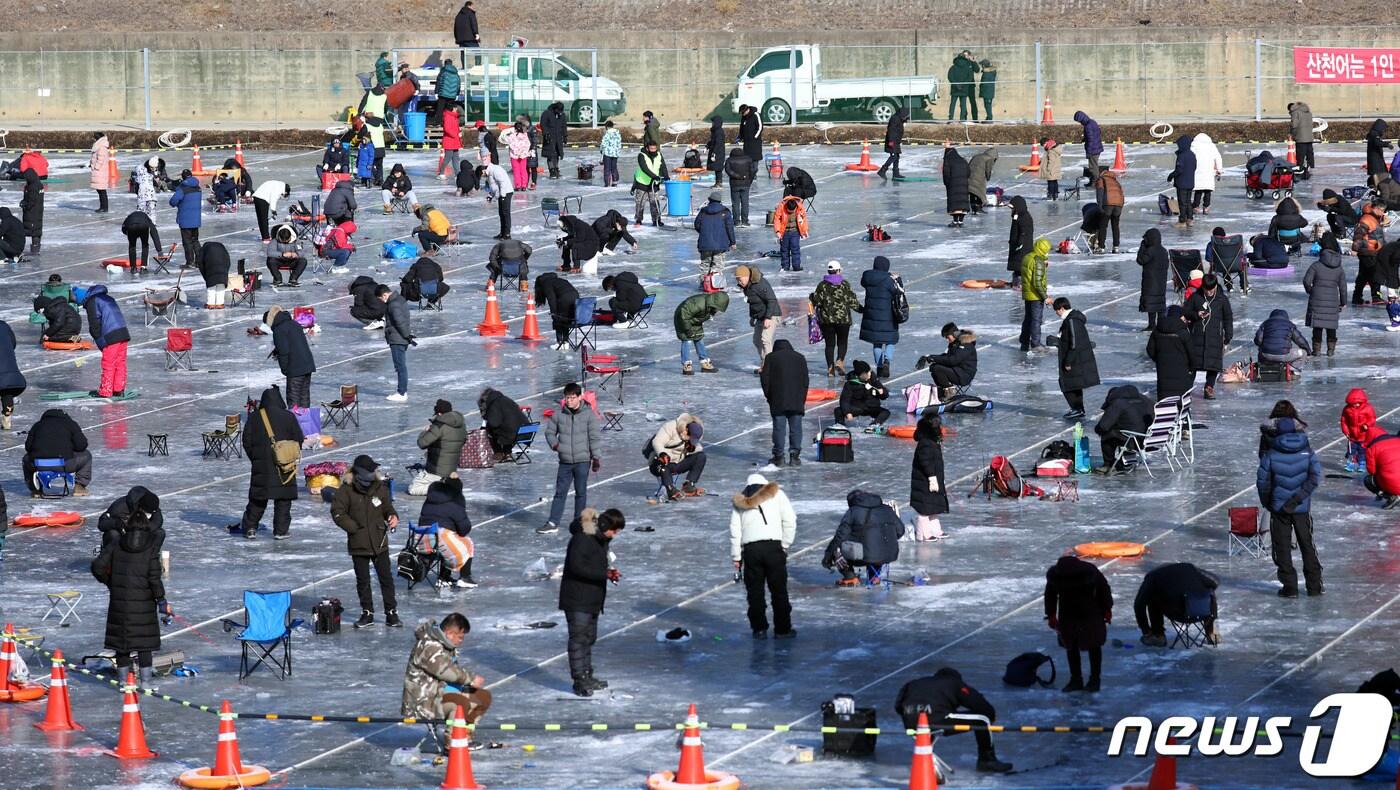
432 668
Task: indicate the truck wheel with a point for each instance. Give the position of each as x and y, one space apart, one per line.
583 113
883 111
776 112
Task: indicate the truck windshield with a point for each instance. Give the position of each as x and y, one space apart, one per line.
581 70
774 61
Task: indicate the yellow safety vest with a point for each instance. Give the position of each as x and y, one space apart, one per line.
653 164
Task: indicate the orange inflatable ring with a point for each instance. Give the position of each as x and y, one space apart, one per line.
24 692
902 431
817 396
714 780
251 776
62 518
122 262
76 345
1109 549
983 284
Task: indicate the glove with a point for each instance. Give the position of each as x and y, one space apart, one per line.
412 341
597 464
1054 622
614 575
933 483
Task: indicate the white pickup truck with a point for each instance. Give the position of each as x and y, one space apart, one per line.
768 84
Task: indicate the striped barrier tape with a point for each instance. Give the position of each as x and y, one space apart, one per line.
119 151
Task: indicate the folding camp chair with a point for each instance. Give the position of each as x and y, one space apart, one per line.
1248 535
223 443
178 343
162 259
400 205
163 304
429 291
346 408
583 323
524 438
639 321
554 208
52 480
1185 430
247 293
65 605
1183 262
1160 437
510 276
605 365
419 558
266 636
1191 628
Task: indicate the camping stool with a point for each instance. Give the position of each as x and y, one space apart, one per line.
612 420
65 605
159 444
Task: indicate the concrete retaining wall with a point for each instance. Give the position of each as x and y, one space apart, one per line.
307 79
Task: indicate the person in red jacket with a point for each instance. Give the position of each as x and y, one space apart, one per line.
1383 466
451 141
1357 420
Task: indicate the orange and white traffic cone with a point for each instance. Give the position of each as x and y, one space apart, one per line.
531 331
1163 776
7 657
114 173
59 715
691 772
229 770
1120 158
864 165
196 163
459 755
238 152
1034 165
923 775
492 325
131 739
775 161
1047 115
1292 153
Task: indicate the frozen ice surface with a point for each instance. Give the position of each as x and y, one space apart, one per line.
980 608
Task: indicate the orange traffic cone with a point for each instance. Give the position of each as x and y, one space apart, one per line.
864 165
1163 776
459 756
238 152
775 161
1047 115
59 715
131 740
922 774
1292 153
114 173
492 325
196 163
1120 159
532 321
1034 165
691 772
229 770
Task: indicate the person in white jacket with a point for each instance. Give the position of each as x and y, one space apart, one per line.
265 199
762 526
499 187
1209 167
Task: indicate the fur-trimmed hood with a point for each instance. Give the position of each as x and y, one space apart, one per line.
967 337
754 495
587 522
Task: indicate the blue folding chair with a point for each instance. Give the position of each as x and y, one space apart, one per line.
510 276
52 480
267 632
1198 611
639 321
524 437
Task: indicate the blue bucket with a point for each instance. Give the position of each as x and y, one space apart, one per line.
415 126
677 198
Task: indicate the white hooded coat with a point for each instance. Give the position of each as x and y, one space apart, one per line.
1208 162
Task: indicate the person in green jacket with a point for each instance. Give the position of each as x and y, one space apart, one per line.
962 85
1034 284
449 85
690 319
987 88
384 71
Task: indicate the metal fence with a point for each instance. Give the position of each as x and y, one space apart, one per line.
1228 78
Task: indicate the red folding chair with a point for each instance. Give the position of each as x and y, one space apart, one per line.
178 343
1247 534
605 365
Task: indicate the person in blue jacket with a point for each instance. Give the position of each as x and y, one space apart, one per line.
186 200
109 332
1289 473
878 325
1267 253
714 223
1093 140
1183 177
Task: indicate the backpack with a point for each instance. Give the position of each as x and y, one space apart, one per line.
409 289
325 616
285 452
918 397
1002 479
1058 449
1023 671
900 303
692 160
1166 205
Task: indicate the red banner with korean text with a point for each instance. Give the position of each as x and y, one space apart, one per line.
1346 65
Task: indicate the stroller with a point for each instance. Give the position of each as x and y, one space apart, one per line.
1225 254
1183 262
1265 173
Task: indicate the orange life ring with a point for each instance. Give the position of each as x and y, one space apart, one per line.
1110 549
62 518
76 345
251 776
122 262
714 780
817 396
983 284
902 431
24 692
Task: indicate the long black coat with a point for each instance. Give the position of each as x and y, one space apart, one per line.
10 376
290 347
1078 368
1212 333
1171 349
555 126
583 240
1077 593
956 173
133 582
265 482
784 380
894 131
1375 148
714 159
560 295
32 204
877 324
928 462
1155 263
1022 234
751 136
584 587
214 264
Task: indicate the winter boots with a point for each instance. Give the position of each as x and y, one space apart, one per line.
882 370
585 685
988 763
366 619
686 369
706 366
794 458
841 367
34 246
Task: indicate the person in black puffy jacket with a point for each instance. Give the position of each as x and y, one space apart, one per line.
293 354
64 324
129 567
367 309
447 507
949 700
579 245
502 418
861 396
56 435
868 536
740 169
584 589
956 367
785 380
630 295
612 229
1125 409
